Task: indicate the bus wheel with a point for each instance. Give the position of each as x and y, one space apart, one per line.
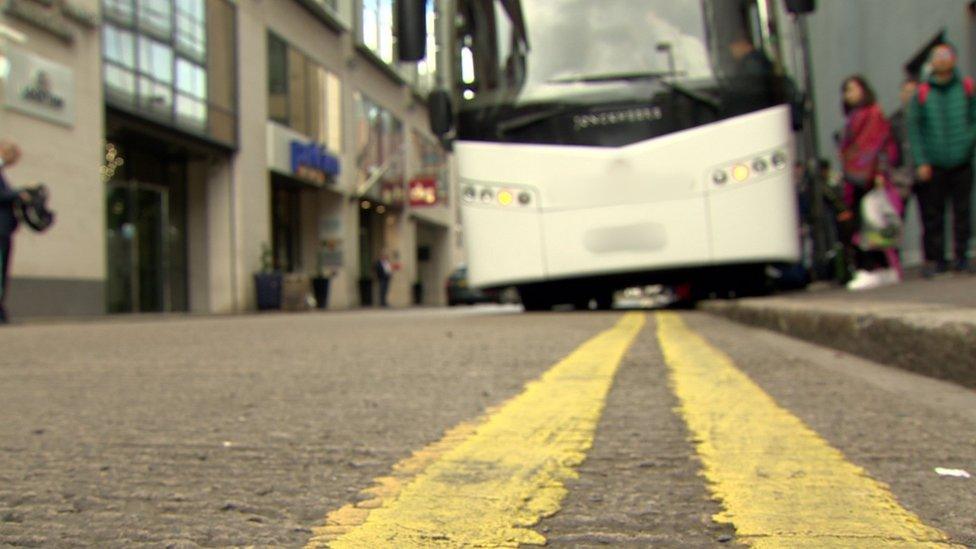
534 299
604 301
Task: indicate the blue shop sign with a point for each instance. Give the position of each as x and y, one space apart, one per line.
312 162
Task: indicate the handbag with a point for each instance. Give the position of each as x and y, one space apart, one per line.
881 225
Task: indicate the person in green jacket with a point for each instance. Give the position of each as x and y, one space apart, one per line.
942 132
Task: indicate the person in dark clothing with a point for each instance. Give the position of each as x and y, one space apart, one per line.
942 131
9 155
903 174
752 84
384 272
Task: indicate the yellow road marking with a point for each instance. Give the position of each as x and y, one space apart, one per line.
780 483
486 484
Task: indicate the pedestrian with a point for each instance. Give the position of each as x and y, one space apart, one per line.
903 174
942 131
751 82
867 149
9 155
384 272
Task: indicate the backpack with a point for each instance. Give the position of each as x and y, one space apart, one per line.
925 88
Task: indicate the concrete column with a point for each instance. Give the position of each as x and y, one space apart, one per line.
249 184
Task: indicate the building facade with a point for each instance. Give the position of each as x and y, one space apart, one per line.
203 141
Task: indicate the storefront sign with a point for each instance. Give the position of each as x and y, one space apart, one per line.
52 16
40 87
290 153
310 161
423 192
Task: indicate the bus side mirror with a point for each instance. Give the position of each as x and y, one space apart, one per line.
441 113
411 25
801 6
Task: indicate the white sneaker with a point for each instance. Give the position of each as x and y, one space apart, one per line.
888 276
864 280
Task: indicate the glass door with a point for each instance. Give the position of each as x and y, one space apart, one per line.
138 246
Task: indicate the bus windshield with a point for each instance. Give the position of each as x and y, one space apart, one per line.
611 72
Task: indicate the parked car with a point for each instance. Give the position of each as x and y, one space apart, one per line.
459 292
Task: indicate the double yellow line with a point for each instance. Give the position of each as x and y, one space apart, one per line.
486 483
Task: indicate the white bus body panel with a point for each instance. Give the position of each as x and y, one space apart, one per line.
648 206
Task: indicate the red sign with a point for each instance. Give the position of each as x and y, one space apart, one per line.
423 192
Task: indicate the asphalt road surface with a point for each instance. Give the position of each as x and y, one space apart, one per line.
475 426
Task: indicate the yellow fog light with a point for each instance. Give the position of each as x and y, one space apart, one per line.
505 198
740 173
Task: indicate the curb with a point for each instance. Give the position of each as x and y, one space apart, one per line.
933 340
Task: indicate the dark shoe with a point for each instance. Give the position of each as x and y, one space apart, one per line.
932 269
965 267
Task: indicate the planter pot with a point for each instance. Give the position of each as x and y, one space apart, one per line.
267 287
320 287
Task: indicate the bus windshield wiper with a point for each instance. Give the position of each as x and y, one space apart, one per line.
609 77
665 78
524 120
694 95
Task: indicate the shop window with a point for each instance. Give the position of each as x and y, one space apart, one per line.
120 11
430 161
379 152
297 91
175 60
376 28
121 83
191 29
119 46
277 80
303 95
155 60
156 17
155 97
191 79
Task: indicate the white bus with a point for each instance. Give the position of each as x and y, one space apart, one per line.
603 144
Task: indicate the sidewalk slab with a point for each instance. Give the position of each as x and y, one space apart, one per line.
914 326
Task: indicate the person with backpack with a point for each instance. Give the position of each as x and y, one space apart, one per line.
867 149
942 131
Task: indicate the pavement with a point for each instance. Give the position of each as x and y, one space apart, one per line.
573 429
926 326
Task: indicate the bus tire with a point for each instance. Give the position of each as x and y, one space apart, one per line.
534 299
604 301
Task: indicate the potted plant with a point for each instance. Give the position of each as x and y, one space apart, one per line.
267 282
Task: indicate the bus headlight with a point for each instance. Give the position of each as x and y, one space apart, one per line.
505 198
524 198
760 165
720 177
487 195
470 194
740 173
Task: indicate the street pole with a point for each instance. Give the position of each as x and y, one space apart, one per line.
812 143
